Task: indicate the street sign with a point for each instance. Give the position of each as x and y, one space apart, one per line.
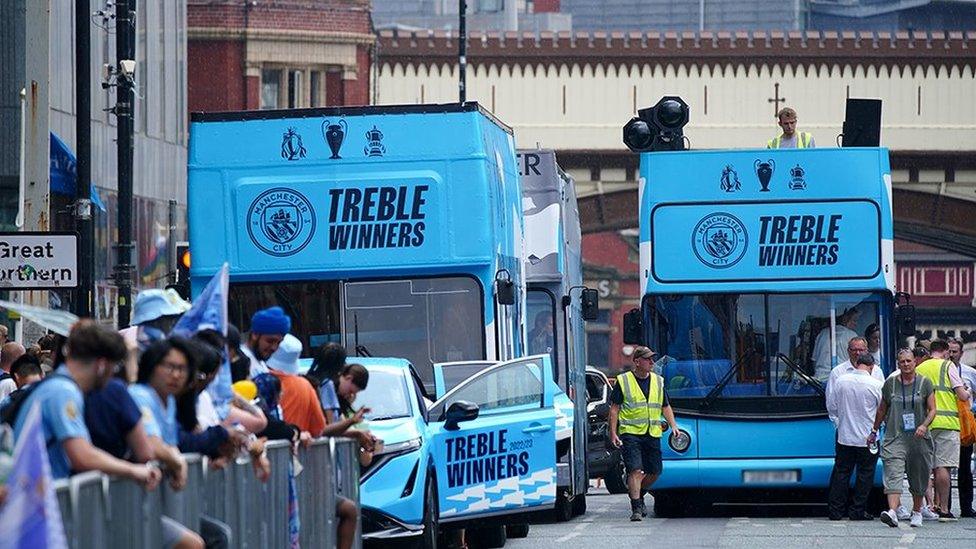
38 260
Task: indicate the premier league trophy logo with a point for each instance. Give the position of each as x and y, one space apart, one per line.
764 171
374 143
291 145
796 179
730 180
334 134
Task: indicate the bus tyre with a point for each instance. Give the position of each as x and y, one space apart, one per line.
563 511
517 531
487 538
579 505
429 539
668 505
616 477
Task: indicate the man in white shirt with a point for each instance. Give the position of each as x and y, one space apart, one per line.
854 402
823 352
855 347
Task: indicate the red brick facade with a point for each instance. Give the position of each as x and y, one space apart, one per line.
610 264
320 50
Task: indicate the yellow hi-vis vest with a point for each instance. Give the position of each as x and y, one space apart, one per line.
640 414
802 143
946 410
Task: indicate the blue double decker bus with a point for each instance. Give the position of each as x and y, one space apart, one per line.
758 266
394 231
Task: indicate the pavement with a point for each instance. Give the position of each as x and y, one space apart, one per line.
606 525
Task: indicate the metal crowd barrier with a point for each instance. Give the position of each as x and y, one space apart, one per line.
98 511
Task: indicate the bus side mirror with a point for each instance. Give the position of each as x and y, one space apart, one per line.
590 301
633 328
905 320
505 291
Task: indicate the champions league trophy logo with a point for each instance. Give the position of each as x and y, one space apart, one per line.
334 134
796 179
291 145
764 171
374 143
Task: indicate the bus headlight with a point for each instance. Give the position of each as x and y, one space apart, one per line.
679 441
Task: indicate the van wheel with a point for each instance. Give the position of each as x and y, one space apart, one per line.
516 531
616 477
487 538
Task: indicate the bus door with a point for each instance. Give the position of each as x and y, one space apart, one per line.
498 455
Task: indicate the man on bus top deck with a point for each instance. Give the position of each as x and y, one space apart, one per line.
638 401
790 138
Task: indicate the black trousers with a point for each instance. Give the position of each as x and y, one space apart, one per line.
965 481
848 460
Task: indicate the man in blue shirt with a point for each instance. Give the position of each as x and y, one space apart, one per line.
91 355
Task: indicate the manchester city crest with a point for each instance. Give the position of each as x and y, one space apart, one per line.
291 145
719 240
281 222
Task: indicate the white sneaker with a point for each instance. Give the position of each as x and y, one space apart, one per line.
916 520
889 518
902 513
929 514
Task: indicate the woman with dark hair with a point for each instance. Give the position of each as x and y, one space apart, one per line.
328 363
165 369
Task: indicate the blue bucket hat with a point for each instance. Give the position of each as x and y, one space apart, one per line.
153 304
271 321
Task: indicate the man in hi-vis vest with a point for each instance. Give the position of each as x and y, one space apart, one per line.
945 428
790 138
637 404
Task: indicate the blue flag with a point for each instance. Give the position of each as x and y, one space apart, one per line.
31 516
209 312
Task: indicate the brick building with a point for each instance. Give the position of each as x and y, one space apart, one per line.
278 54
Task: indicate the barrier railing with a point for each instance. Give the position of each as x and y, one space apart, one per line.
99 511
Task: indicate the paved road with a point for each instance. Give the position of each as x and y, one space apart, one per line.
606 525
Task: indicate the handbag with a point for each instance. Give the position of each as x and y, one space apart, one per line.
967 423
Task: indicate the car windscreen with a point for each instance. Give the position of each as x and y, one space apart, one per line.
386 395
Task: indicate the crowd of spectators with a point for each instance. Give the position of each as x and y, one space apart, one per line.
132 403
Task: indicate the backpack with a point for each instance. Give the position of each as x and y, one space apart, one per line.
15 401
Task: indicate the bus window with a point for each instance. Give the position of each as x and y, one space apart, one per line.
424 320
542 315
312 306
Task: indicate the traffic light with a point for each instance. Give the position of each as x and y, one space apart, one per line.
182 284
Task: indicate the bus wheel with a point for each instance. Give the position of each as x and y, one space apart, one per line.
616 477
668 505
516 531
579 505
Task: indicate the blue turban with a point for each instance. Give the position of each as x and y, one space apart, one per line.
272 320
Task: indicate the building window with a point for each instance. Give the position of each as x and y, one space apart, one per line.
316 89
270 86
294 89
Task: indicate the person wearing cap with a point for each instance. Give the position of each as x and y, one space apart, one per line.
637 403
299 401
854 402
268 329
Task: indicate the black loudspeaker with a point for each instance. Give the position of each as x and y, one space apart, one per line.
862 125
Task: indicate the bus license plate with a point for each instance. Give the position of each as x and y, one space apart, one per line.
770 477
